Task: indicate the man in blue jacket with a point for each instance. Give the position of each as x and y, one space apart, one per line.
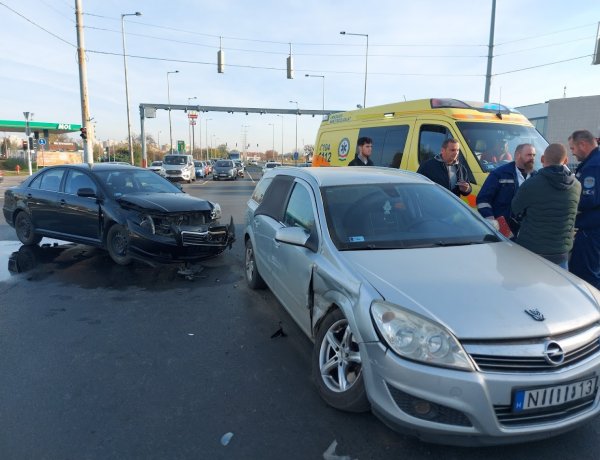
585 258
498 190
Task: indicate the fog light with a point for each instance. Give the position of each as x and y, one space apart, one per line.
423 409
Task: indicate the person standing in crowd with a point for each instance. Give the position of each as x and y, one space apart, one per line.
363 156
585 258
546 206
498 190
448 169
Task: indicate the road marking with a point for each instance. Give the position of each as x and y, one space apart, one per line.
250 177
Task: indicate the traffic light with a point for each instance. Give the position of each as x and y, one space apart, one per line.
31 146
83 133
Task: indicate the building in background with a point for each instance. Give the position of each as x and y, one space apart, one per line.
556 119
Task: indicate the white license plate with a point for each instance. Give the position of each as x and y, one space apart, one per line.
539 398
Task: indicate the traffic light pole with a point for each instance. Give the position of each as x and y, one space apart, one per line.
88 153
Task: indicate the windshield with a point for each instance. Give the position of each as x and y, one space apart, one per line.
271 165
224 164
156 163
397 216
175 160
135 181
494 144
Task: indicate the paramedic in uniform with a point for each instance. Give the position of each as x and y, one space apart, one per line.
585 258
498 190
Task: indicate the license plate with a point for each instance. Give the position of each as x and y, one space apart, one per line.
557 395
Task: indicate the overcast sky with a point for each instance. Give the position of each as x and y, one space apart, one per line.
417 49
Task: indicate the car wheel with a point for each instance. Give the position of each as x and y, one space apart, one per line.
117 243
24 228
253 278
337 366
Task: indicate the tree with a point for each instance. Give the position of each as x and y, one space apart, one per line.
309 150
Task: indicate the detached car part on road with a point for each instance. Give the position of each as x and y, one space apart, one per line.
131 212
420 310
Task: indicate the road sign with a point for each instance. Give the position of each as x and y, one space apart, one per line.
295 155
181 146
42 141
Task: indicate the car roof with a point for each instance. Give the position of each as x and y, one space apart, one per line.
351 175
105 166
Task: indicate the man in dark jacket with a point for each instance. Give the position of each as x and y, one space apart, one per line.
498 190
546 206
585 258
363 155
447 169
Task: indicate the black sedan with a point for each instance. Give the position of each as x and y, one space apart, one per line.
131 212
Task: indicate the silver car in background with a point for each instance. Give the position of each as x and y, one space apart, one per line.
420 311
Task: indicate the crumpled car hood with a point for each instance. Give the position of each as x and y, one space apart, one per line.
166 202
480 291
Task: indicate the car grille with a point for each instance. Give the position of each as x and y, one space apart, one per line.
171 225
528 356
506 417
174 173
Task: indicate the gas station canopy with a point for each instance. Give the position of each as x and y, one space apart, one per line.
38 126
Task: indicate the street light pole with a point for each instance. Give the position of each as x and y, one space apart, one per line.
273 140
297 110
281 137
158 141
169 101
323 77
366 62
191 127
137 13
206 125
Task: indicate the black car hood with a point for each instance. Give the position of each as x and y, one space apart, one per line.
165 202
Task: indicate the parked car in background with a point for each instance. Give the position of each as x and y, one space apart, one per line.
270 165
179 168
240 167
420 310
224 169
131 212
157 167
207 167
200 169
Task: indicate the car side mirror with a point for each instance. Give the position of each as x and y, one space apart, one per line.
296 236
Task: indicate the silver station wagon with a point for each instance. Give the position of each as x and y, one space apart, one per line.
420 311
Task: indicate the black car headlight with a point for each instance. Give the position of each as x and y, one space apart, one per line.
417 338
147 223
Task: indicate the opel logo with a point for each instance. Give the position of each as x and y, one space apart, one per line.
553 353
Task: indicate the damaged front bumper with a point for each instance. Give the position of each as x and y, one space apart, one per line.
184 243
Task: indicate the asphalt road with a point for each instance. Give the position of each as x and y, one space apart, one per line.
99 361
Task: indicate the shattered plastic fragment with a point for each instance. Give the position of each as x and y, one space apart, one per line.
226 438
330 454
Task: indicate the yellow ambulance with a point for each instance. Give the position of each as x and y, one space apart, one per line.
406 134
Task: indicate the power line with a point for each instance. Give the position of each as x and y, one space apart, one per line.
56 10
545 46
37 25
545 35
542 65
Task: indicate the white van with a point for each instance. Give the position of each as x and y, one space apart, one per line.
179 168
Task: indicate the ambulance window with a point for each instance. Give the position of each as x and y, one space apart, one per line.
393 148
431 138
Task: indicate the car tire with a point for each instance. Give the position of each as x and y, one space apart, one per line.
335 349
24 229
117 244
253 278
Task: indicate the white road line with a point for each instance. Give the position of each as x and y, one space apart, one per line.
250 177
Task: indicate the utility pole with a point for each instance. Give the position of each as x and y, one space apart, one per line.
88 143
488 74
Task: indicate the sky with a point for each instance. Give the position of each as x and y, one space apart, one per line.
419 49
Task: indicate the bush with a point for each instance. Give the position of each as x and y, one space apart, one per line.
11 164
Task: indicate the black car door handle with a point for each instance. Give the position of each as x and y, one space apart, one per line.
62 202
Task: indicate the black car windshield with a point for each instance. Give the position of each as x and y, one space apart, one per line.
224 164
175 160
494 144
399 216
121 182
